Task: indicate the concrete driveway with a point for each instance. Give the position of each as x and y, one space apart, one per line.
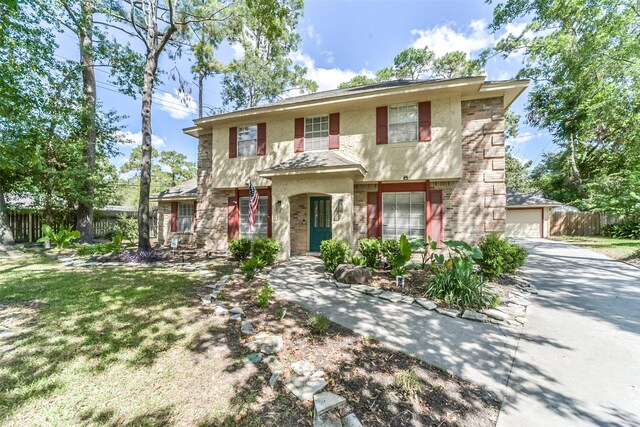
578 358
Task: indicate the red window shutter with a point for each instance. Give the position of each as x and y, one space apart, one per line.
262 139
232 218
382 121
195 216
298 139
436 216
334 131
174 217
372 214
233 142
424 121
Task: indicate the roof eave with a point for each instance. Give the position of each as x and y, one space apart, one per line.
356 169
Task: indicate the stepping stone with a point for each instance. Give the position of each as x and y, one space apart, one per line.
236 310
305 387
326 420
351 421
425 303
253 357
236 317
274 379
264 343
326 401
407 300
246 328
273 364
221 311
474 315
448 312
303 367
391 296
496 314
206 299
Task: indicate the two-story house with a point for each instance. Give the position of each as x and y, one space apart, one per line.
423 158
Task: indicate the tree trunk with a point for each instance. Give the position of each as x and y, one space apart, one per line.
6 236
200 89
84 213
575 172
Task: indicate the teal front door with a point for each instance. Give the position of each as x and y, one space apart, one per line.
319 222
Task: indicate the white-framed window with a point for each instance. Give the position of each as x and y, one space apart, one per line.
261 218
316 133
247 140
403 122
185 217
403 213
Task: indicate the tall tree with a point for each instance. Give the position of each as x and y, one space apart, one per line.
517 172
266 71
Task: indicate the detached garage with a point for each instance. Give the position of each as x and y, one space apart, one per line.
528 215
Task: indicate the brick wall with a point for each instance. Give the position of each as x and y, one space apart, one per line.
360 210
298 224
164 228
476 204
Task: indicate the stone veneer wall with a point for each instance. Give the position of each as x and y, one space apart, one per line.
298 223
476 204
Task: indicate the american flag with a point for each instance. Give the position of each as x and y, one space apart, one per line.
254 202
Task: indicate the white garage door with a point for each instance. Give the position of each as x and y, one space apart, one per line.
523 223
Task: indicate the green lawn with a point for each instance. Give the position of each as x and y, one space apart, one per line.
109 346
615 248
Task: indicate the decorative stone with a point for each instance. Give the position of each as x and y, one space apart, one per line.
513 310
474 315
206 299
273 364
221 311
326 420
425 303
274 379
448 312
496 314
236 310
351 421
531 289
305 387
267 344
374 292
235 317
318 374
363 289
253 357
519 301
327 401
351 274
303 367
391 296
246 328
341 285
407 300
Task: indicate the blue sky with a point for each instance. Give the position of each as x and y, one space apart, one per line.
340 39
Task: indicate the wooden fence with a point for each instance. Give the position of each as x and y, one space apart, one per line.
580 223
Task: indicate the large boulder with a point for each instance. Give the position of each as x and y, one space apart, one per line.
351 274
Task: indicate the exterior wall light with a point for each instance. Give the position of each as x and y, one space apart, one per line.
340 206
278 206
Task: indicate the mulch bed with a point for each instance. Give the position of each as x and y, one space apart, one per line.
416 282
360 369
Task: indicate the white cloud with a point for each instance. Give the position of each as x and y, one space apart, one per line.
179 106
132 139
445 38
238 50
313 35
524 137
327 78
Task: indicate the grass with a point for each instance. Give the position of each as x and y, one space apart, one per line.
408 383
318 322
109 346
615 248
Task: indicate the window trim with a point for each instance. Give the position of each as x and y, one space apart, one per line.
308 138
189 230
417 122
238 140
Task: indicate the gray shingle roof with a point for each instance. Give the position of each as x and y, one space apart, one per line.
529 199
313 159
188 189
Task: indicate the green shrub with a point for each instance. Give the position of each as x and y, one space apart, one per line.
622 230
455 280
500 256
333 253
264 294
240 248
250 266
402 257
266 249
370 250
97 249
60 239
127 226
358 260
390 248
408 383
318 322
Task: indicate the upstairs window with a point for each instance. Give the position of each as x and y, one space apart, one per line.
403 122
247 141
316 133
185 217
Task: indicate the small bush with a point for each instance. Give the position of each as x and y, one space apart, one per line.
408 383
266 249
333 253
61 239
250 266
401 258
358 260
370 250
622 230
264 294
500 256
318 323
390 249
240 248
